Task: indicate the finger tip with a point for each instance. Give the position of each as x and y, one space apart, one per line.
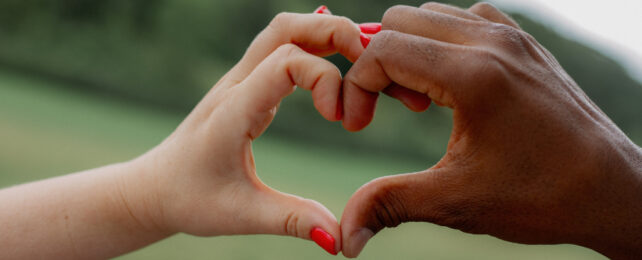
419 106
355 122
332 119
332 116
356 54
352 127
356 242
356 48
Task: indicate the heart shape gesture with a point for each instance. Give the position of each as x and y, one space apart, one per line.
477 62
531 158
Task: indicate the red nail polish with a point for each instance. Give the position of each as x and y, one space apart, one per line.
370 28
365 39
323 239
322 10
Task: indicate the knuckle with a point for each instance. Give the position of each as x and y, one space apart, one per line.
394 13
528 37
279 20
383 39
432 6
343 21
483 8
284 56
281 17
287 51
350 81
490 67
287 56
384 45
490 74
503 29
291 224
508 37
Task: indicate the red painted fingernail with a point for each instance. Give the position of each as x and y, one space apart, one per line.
322 10
370 28
365 39
323 239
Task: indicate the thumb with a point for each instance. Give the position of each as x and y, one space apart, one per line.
429 196
285 214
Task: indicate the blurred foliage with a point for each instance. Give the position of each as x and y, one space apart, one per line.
167 53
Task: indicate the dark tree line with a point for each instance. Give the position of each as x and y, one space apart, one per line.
167 53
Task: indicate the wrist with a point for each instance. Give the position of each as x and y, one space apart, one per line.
139 192
618 216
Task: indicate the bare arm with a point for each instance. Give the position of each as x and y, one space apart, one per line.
85 215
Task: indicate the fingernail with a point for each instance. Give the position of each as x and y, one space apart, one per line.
322 10
365 39
370 28
359 240
323 239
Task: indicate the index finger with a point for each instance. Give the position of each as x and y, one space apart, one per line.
320 34
437 69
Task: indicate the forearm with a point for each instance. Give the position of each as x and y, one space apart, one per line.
86 215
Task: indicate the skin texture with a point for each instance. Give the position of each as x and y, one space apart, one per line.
531 159
201 180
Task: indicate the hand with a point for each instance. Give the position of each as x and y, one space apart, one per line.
203 176
531 159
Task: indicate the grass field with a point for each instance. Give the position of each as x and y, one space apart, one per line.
47 130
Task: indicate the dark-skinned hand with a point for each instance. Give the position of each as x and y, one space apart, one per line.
531 159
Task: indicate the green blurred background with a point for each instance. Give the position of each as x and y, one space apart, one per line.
85 83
